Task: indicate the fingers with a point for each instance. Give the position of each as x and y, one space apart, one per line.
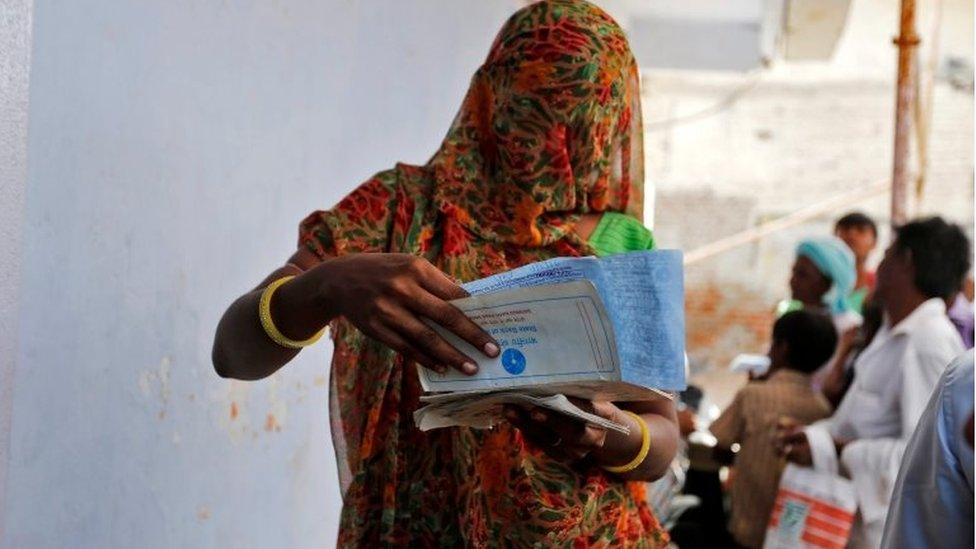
430 298
393 340
556 433
451 318
787 452
794 437
583 404
798 453
602 408
786 427
577 433
428 341
792 445
438 283
520 418
786 422
791 441
383 294
538 435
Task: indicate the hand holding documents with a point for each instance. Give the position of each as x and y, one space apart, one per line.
599 329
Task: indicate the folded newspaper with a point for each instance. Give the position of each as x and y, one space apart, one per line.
593 328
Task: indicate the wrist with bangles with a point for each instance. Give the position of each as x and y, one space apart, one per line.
264 313
642 452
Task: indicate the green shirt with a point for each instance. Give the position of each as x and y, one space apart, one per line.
618 233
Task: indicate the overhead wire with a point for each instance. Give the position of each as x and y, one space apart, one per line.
720 106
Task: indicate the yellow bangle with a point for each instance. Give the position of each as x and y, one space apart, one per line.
264 311
641 454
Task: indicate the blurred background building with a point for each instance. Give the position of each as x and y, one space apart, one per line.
771 113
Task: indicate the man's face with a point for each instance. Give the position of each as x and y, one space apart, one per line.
860 240
807 283
895 273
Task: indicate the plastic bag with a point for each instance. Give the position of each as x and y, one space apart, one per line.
813 509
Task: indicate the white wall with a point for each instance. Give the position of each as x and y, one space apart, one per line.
174 145
15 33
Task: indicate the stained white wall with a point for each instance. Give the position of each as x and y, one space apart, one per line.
173 147
15 33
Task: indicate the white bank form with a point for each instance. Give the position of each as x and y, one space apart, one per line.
594 328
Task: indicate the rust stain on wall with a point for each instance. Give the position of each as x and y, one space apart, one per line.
725 320
243 412
234 416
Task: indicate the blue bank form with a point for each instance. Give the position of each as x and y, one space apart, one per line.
590 327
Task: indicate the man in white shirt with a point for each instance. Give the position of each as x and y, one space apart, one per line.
894 376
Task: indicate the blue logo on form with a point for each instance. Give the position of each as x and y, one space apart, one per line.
514 361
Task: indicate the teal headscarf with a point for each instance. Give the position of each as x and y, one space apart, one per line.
836 261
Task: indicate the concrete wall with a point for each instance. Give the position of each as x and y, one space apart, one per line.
15 36
173 148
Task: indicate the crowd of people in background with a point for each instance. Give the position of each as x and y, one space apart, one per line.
857 360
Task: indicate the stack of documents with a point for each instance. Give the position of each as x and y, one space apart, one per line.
597 329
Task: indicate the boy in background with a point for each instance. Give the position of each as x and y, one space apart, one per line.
802 342
860 233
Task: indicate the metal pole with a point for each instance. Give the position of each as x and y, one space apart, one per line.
906 41
924 96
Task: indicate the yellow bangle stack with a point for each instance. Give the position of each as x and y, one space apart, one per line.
641 454
264 312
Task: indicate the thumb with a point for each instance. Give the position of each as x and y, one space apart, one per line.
606 410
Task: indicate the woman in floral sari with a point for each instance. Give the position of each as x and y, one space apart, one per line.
545 152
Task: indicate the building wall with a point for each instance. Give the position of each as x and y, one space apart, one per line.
728 151
173 148
15 37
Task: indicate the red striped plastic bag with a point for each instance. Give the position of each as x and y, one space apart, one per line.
813 509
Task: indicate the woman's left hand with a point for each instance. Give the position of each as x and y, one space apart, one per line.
559 435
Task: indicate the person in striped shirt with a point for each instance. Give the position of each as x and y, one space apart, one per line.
802 342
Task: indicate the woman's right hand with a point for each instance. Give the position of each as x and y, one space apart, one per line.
385 295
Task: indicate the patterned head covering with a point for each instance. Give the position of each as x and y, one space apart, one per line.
836 261
550 128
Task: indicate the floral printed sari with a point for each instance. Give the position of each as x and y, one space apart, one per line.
550 129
